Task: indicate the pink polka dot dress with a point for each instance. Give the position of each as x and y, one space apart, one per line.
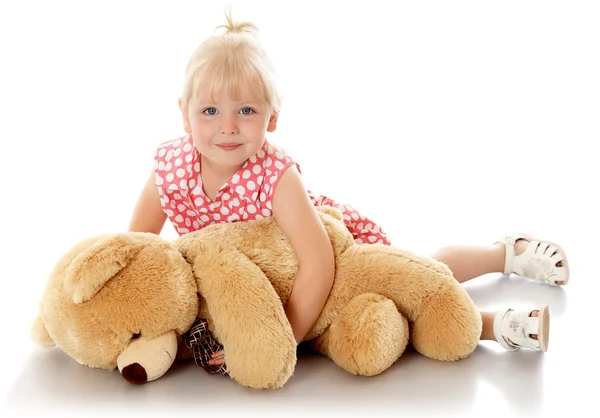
248 195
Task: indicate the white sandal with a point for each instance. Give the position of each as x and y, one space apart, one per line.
514 330
538 262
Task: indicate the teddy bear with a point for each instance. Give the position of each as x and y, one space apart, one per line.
126 300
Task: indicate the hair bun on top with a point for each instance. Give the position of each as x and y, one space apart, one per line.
238 27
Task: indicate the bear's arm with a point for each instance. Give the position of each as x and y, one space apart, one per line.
247 315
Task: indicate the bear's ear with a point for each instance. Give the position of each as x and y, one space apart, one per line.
39 333
91 269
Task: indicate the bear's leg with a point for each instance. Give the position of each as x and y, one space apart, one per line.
367 337
448 327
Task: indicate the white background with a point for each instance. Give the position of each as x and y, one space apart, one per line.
446 122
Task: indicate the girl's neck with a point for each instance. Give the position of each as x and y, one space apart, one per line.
215 176
217 171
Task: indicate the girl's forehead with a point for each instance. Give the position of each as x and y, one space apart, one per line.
238 92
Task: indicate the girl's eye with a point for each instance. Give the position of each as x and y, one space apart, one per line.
211 111
246 111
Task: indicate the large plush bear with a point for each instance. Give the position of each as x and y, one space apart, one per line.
125 300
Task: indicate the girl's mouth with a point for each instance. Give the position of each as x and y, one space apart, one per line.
229 146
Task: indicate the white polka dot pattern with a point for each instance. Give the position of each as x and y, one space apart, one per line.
246 196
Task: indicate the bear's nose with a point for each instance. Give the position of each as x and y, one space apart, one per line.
135 373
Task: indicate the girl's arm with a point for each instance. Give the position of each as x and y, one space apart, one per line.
298 218
148 215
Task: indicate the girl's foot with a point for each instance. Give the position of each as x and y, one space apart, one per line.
528 257
516 330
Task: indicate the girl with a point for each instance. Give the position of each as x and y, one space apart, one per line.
224 170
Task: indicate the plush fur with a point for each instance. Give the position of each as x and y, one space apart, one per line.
124 300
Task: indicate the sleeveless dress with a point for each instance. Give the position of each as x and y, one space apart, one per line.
248 195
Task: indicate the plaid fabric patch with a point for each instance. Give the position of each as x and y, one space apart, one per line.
203 345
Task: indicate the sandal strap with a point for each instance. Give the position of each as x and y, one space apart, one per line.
498 320
509 249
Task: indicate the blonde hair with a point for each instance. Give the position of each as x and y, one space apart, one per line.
231 61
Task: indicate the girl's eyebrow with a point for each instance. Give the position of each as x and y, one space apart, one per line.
202 104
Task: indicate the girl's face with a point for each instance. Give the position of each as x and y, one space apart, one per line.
228 131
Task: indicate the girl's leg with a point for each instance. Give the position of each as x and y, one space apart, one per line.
468 262
544 261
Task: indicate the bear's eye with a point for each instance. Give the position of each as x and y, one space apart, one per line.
136 335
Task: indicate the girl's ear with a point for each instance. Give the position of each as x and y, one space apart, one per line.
272 122
186 120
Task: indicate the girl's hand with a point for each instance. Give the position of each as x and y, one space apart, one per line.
218 358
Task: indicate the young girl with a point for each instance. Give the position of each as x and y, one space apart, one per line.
224 170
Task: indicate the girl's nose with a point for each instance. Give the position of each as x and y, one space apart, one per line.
229 126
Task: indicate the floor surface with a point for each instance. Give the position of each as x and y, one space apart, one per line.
490 381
